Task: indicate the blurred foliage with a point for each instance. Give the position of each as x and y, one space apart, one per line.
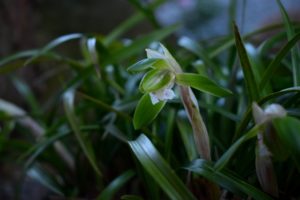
77 136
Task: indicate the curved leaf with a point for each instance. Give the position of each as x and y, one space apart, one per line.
143 65
156 79
226 179
288 130
146 112
250 82
68 99
201 83
115 185
159 169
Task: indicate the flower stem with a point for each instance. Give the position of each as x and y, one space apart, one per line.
199 129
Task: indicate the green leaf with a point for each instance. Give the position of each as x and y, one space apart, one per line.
54 43
226 179
45 178
221 163
17 56
195 48
201 83
159 169
27 94
156 79
275 63
143 65
250 82
122 28
109 192
288 131
68 99
146 112
140 44
187 138
295 52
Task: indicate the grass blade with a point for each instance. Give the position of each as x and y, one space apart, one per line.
273 66
295 52
158 168
221 163
226 179
68 99
109 192
250 82
141 43
54 43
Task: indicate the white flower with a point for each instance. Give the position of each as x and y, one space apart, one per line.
162 95
270 112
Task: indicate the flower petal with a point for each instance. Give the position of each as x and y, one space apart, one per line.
154 99
154 54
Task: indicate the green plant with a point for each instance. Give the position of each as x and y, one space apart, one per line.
94 134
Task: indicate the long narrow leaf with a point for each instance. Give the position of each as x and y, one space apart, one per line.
56 42
158 168
201 83
273 66
69 109
250 82
221 163
141 43
109 192
295 52
226 179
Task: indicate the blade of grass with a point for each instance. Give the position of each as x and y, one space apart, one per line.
275 63
225 158
68 100
140 44
28 95
159 169
250 82
146 11
122 28
46 179
295 52
54 43
226 179
109 192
